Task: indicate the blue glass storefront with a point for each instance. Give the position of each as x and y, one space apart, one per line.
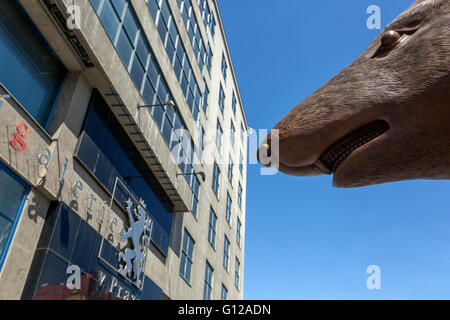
107 153
69 240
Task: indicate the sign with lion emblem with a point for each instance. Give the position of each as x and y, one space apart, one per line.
133 238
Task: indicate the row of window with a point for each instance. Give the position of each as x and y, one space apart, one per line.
207 291
216 180
219 139
125 31
224 67
195 36
187 261
233 106
222 94
208 16
219 133
170 36
213 225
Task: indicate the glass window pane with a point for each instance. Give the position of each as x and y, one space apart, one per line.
109 20
142 50
153 71
124 48
88 152
170 49
137 73
119 5
188 271
11 195
162 29
149 92
163 91
153 7
130 25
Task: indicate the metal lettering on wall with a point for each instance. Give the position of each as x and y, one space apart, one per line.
22 132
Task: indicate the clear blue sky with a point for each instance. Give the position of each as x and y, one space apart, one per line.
304 238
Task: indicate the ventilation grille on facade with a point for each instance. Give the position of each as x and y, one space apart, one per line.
70 34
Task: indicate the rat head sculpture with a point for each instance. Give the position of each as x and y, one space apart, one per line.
384 118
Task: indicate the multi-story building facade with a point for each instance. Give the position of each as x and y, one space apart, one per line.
123 154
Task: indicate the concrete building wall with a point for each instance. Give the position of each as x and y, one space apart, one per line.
108 74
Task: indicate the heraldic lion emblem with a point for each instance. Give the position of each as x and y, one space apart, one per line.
132 259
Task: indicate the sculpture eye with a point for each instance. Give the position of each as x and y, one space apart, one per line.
390 38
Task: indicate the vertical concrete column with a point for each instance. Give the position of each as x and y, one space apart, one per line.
72 104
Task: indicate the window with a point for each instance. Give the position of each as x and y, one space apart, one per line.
238 232
176 50
241 163
207 15
212 227
233 104
201 140
242 134
237 273
230 170
216 177
226 253
212 25
224 294
221 99
228 209
219 135
13 192
30 70
208 61
192 27
240 196
195 190
207 290
205 98
224 66
232 133
187 256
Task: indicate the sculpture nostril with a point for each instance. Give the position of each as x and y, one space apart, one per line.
264 153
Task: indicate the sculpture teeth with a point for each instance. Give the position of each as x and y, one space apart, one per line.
336 154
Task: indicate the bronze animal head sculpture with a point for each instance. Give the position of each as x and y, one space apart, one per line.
384 118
